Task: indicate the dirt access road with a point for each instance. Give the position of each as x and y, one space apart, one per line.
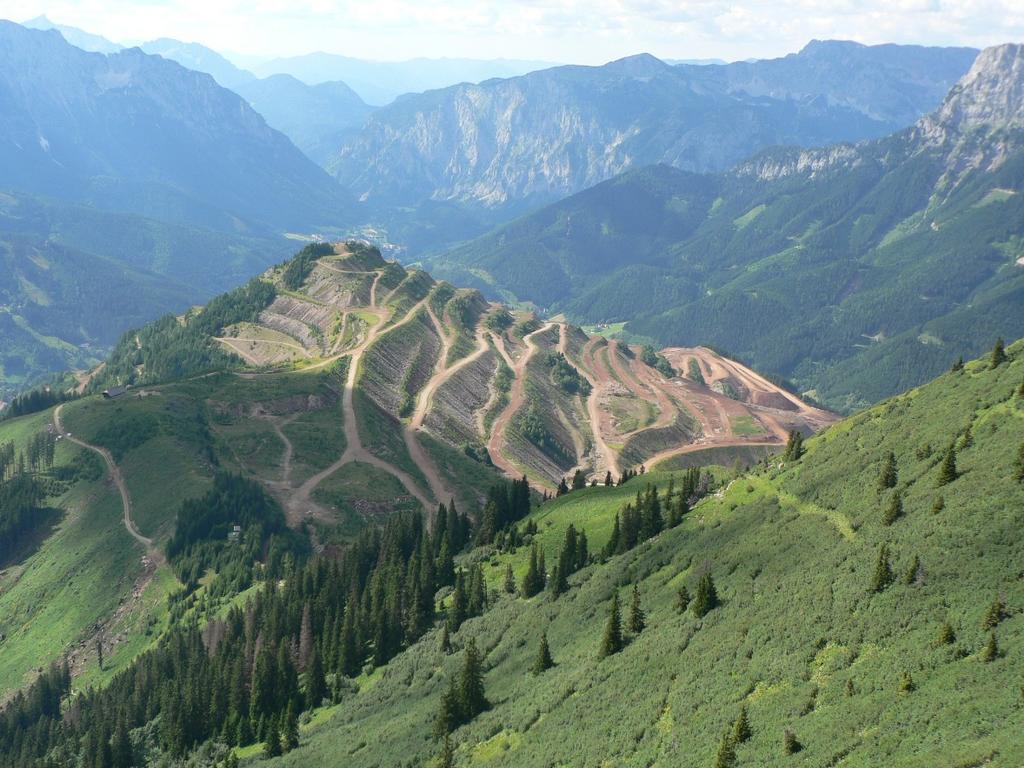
115 474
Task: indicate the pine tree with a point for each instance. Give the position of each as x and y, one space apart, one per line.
888 476
947 471
637 618
790 744
272 741
682 599
121 747
562 489
706 598
958 365
533 581
1020 461
579 480
612 643
998 353
741 729
991 651
449 715
608 475
894 509
316 683
996 613
939 505
290 730
447 759
472 699
726 757
946 635
794 446
914 573
510 580
446 640
543 660
883 571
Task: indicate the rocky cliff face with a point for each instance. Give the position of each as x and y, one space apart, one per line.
551 133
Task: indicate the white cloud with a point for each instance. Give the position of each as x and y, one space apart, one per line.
587 31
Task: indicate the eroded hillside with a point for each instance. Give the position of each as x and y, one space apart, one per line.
427 365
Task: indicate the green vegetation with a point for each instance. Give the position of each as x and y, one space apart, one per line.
297 269
802 635
898 274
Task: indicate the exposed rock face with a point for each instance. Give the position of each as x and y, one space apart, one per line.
991 94
550 133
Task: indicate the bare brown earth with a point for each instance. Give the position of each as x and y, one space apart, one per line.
354 311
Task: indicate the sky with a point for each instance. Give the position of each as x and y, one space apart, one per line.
570 31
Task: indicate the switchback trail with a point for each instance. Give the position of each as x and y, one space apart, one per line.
115 473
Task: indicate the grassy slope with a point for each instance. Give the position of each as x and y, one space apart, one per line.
792 551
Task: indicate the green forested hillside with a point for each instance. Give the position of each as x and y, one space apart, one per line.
856 602
855 271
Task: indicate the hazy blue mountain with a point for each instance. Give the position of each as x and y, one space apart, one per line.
380 82
317 118
201 59
541 136
77 37
138 133
856 270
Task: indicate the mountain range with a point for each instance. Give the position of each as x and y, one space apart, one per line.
541 136
857 270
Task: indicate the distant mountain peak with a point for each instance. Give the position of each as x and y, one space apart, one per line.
990 94
638 65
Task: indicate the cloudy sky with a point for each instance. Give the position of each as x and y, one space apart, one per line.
575 31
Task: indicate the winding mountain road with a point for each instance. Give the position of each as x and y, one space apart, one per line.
115 474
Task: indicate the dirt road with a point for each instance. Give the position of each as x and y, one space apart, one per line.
115 474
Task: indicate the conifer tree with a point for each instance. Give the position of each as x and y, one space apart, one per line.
726 756
794 446
612 642
939 505
894 509
290 730
543 661
447 753
741 729
958 365
914 572
449 715
608 475
122 755
888 476
533 581
946 635
883 571
562 489
947 470
1020 462
579 480
446 640
272 740
472 699
907 684
316 683
510 580
637 618
996 613
682 599
790 744
998 353
991 651
706 598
